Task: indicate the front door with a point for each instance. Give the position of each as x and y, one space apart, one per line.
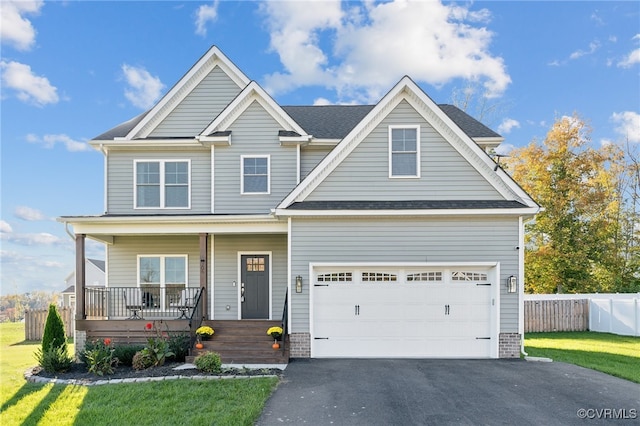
254 286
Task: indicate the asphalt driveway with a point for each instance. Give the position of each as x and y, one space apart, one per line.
441 392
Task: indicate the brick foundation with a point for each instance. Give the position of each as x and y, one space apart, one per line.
509 345
300 345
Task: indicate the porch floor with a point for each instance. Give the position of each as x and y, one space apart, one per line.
242 342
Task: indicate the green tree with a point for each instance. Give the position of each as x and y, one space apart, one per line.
572 245
53 335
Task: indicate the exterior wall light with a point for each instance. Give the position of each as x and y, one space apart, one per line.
512 284
298 283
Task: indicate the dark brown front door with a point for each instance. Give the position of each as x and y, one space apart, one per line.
255 286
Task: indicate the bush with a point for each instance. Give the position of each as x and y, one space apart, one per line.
179 344
125 353
209 362
54 335
142 360
100 359
54 359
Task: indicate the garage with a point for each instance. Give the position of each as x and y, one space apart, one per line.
405 311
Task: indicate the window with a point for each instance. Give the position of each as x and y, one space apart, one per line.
404 151
424 276
255 175
335 277
468 276
162 184
378 276
161 278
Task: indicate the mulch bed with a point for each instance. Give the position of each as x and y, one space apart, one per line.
78 371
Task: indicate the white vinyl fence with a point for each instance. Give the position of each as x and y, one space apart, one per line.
613 315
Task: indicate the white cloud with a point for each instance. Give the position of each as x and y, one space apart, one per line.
593 46
630 59
628 125
206 14
36 239
504 149
28 213
5 227
30 88
144 89
49 141
375 44
15 29
507 125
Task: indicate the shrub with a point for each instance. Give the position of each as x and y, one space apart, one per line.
142 360
209 362
54 335
54 359
125 353
179 344
100 359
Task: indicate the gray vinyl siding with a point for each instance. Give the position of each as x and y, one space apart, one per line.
310 157
488 239
364 175
121 181
200 107
254 133
122 256
225 267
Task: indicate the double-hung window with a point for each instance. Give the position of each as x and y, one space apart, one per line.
163 184
255 174
404 151
161 278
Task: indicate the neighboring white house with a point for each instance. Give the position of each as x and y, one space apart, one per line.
95 277
379 230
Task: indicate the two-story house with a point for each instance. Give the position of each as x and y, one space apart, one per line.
379 230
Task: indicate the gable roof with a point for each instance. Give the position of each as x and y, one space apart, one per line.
212 58
407 90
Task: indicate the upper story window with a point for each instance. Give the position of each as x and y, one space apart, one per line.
162 184
404 151
255 174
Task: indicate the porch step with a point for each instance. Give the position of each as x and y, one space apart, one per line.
242 342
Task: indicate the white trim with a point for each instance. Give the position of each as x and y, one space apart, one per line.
105 181
416 212
493 269
212 285
298 164
162 183
212 58
521 281
418 156
253 92
242 158
289 271
239 278
213 179
407 90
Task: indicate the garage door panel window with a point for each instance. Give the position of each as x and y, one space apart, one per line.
378 277
425 277
335 277
468 276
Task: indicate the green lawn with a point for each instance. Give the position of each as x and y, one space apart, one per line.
194 402
609 353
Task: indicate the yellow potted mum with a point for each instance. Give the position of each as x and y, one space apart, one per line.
276 333
205 332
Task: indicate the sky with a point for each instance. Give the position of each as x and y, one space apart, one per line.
70 70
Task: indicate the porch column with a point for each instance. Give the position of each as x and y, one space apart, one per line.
204 268
80 276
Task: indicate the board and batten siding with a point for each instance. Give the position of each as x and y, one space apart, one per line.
255 132
122 256
121 180
199 107
364 174
225 271
404 239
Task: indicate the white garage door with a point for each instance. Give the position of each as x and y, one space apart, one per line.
404 312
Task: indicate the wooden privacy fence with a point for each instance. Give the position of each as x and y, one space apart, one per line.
556 315
34 322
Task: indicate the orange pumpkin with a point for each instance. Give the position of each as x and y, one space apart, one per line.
199 345
276 345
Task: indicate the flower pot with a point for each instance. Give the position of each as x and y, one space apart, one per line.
199 345
275 345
